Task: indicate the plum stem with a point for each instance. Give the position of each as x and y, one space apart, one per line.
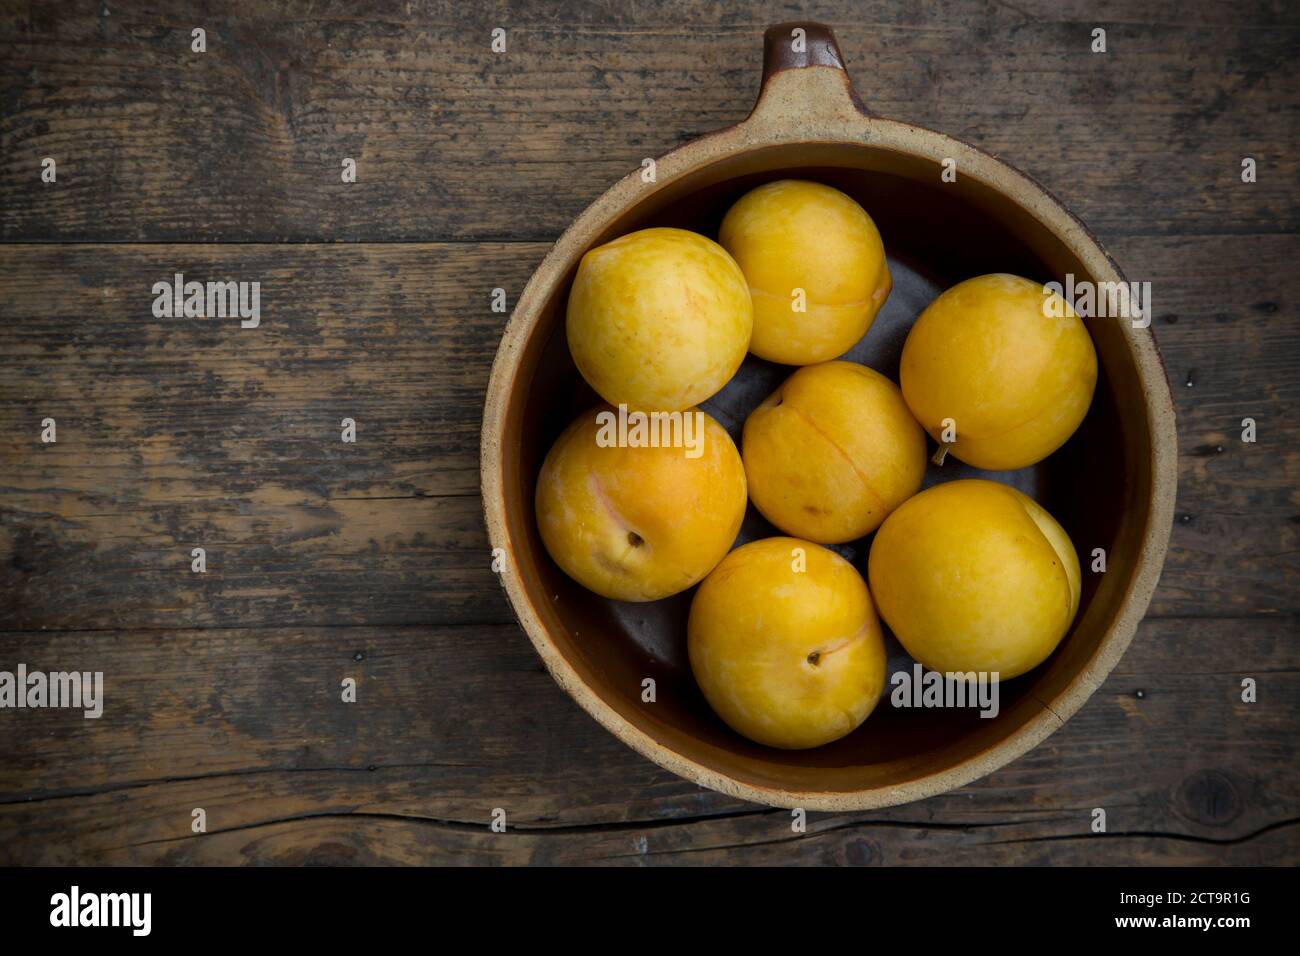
941 452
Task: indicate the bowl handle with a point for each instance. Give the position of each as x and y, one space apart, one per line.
805 85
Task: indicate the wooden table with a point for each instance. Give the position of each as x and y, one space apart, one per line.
328 560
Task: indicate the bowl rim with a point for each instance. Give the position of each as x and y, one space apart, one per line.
816 105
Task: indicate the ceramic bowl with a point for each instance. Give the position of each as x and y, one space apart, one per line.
1111 486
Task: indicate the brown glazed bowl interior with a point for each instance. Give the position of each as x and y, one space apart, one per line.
1111 486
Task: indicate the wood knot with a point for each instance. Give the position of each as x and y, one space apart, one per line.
858 852
1209 797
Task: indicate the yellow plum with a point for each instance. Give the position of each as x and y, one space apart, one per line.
994 364
815 265
658 319
975 576
638 523
832 451
785 644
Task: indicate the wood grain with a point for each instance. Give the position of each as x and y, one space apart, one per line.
412 771
183 433
328 560
452 141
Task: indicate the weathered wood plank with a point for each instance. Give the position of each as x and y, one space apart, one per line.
1226 315
355 839
452 722
453 141
183 433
